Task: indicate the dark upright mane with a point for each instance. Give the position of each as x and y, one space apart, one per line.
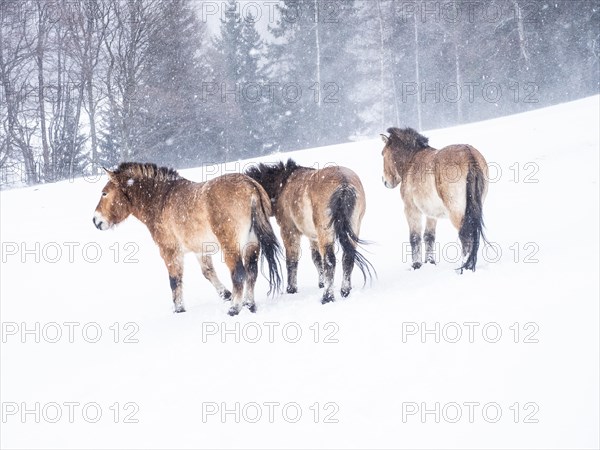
272 177
138 171
408 139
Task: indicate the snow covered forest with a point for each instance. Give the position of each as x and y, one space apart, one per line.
90 83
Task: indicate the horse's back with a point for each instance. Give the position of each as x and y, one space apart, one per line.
218 211
460 154
230 191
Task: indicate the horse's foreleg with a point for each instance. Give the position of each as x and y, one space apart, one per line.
318 262
251 252
209 273
429 238
415 225
234 262
173 259
291 242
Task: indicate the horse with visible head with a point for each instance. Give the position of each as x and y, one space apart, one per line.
230 213
448 183
324 205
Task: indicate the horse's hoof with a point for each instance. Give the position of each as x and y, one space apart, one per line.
292 290
431 261
327 298
416 265
251 307
321 285
469 267
345 292
225 295
233 311
179 309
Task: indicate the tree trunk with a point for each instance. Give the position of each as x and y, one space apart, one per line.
39 54
457 70
89 63
318 46
92 117
417 74
75 131
458 81
58 107
521 31
382 96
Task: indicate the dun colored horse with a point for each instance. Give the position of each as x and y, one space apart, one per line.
447 183
230 213
324 205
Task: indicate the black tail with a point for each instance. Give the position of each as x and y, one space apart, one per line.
341 205
471 230
269 245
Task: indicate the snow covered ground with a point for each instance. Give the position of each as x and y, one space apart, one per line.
506 357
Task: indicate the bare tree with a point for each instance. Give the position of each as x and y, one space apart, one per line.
15 77
126 45
41 44
88 26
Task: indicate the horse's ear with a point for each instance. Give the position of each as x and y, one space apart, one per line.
384 138
111 175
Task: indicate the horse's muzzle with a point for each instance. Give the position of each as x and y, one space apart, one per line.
386 184
99 222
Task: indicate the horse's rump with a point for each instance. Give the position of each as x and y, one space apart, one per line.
345 221
323 205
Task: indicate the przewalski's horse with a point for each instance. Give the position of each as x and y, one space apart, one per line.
230 213
324 205
447 183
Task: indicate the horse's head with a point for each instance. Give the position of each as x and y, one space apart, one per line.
399 147
390 178
114 205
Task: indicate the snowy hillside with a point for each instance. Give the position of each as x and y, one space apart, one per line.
515 364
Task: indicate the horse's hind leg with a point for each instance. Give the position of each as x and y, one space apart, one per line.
251 252
173 259
466 242
347 266
209 273
328 257
318 261
234 262
291 242
348 260
415 225
429 238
